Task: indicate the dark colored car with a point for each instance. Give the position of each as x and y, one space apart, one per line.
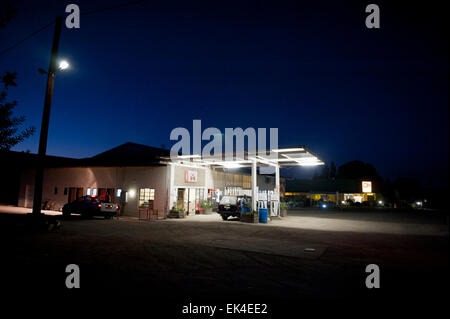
88 206
230 206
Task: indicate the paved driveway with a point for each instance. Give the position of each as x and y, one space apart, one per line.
414 223
204 259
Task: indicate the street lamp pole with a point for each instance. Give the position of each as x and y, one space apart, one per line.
39 178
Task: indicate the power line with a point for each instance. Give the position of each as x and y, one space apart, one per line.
26 38
120 5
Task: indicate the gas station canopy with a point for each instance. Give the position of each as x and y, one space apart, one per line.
292 156
276 158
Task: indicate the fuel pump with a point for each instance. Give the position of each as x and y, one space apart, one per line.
262 199
274 204
274 208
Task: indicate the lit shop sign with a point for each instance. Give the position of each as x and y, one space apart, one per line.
190 176
367 187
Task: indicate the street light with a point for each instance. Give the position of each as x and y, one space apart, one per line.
39 177
63 65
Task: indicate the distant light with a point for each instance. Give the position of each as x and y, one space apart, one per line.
380 202
324 206
343 202
366 186
63 65
419 203
132 193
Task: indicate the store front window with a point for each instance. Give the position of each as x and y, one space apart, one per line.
146 197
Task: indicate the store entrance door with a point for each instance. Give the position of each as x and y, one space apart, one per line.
180 198
72 195
191 201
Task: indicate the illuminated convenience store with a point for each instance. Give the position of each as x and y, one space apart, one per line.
140 176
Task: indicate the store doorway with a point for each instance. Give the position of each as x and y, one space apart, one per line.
74 193
180 198
189 199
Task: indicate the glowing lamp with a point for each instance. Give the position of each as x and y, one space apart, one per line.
63 65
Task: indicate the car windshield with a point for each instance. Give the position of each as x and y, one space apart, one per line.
228 200
92 199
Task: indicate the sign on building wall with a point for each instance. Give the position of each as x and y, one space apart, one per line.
190 176
367 187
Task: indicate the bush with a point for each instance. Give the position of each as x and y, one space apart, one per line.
205 203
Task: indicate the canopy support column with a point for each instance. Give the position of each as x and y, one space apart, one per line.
171 193
277 189
254 187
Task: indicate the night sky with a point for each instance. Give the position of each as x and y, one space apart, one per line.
311 69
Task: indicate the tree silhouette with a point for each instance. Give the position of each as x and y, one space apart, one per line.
332 170
407 188
9 125
325 172
316 173
357 170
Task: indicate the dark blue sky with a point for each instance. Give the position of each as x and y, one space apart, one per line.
312 70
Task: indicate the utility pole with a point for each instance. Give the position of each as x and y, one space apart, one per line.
39 178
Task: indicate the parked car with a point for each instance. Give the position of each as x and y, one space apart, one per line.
230 206
89 206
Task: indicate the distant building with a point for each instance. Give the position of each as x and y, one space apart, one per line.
310 192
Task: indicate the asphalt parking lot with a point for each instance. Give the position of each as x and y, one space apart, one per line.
308 256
